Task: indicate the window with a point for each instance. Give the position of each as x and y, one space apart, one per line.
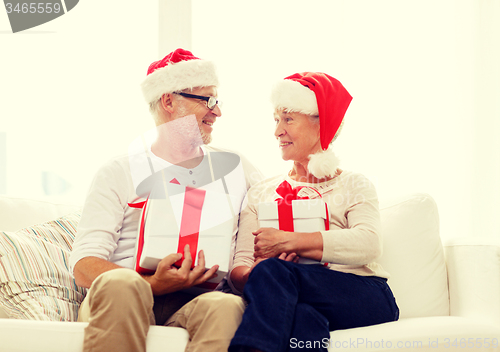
424 76
71 97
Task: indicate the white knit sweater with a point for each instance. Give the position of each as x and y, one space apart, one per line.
353 242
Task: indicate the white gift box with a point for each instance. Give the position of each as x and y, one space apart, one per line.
309 215
161 220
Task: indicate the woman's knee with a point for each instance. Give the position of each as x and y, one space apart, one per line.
271 269
306 313
270 266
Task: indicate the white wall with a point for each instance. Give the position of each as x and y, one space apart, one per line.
70 96
485 166
424 76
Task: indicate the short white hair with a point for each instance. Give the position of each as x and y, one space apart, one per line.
154 106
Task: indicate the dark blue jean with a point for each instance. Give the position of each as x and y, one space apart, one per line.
293 307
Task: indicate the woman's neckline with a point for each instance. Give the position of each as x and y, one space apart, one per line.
335 177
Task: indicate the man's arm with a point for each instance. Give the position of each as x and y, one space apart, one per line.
88 268
166 279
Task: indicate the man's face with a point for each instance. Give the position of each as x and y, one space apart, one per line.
192 106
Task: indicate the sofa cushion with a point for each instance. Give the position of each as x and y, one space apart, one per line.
35 281
414 256
17 213
46 336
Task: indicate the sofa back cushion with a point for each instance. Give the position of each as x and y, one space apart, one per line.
17 213
413 255
35 281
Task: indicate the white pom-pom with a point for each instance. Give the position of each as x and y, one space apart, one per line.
323 163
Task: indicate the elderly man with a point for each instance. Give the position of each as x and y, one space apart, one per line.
181 90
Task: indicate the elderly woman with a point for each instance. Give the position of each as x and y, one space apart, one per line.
294 306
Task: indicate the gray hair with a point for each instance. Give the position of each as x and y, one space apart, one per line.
154 106
315 119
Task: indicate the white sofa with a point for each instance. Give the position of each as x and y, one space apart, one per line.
449 296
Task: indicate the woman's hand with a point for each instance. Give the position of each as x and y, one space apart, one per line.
169 278
292 257
270 242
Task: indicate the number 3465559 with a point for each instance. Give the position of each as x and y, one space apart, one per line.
38 7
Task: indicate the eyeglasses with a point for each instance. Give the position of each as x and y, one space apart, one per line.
211 101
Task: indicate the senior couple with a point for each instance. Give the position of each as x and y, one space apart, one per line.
269 297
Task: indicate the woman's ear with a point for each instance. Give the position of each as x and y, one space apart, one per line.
166 102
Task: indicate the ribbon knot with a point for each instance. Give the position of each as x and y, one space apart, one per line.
285 211
286 191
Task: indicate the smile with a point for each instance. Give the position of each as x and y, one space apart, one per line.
284 144
208 123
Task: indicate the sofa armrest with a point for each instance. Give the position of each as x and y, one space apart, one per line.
474 278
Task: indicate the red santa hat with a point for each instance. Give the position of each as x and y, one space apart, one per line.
316 93
177 71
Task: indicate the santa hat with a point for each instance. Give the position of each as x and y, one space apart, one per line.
316 93
177 71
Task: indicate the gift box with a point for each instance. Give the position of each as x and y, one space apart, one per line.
174 215
307 215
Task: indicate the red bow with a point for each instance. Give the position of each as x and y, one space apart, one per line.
285 212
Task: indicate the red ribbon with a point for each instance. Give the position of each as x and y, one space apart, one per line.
285 212
189 230
139 205
190 222
140 244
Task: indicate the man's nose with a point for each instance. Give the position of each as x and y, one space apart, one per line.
217 111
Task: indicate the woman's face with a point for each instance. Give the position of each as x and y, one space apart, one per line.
297 134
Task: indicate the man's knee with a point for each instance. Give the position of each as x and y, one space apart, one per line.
219 301
121 283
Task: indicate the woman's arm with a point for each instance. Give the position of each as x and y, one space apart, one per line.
243 253
356 237
239 277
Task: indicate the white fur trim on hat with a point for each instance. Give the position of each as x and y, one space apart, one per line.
179 76
323 163
293 96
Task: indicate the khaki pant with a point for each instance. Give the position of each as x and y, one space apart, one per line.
119 309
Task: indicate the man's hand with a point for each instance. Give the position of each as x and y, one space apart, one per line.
169 278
